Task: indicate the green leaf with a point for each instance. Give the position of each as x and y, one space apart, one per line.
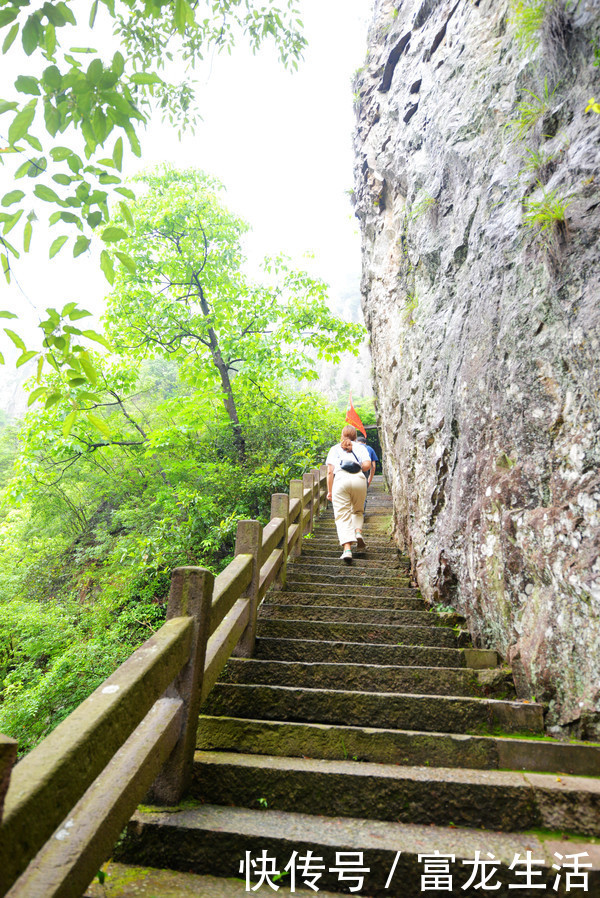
79 313
94 71
15 339
61 153
27 84
81 245
118 154
32 34
25 357
57 245
46 193
99 424
92 335
112 234
11 222
5 314
13 197
126 213
126 260
40 391
146 78
184 15
52 399
33 141
5 266
7 16
93 13
69 421
52 78
126 192
6 106
27 232
90 371
50 40
118 64
10 38
21 122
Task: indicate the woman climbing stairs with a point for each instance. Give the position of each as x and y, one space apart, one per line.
366 747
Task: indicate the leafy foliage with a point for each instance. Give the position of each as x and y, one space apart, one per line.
89 531
72 113
187 297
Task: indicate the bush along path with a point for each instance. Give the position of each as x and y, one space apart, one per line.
368 748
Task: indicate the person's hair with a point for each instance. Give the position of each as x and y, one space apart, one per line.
360 438
348 435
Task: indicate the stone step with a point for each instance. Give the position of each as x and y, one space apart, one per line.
348 632
360 561
214 840
346 575
379 616
500 800
375 525
331 549
313 650
370 677
406 603
404 747
127 881
351 589
429 713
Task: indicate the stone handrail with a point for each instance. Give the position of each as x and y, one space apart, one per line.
66 802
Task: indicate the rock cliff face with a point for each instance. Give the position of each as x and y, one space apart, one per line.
478 193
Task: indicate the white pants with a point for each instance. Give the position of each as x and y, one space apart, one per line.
348 496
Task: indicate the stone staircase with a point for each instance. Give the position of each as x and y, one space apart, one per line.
367 725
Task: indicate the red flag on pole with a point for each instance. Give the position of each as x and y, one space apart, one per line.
352 417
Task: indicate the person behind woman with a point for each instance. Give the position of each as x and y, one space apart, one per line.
347 487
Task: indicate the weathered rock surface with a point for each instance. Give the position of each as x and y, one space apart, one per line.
485 329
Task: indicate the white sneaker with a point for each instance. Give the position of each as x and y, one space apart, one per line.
346 556
360 543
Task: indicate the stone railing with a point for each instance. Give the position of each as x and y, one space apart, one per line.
66 802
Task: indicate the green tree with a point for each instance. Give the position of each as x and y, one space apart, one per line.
186 295
71 109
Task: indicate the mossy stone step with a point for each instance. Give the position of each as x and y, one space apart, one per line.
370 677
128 881
214 840
404 747
397 603
347 575
311 650
380 616
428 713
351 589
360 561
390 634
499 800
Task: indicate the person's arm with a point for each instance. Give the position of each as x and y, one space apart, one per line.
362 451
330 470
372 472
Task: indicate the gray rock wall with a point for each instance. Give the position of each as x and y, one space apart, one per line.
485 326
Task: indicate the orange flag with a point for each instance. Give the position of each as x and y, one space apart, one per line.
352 417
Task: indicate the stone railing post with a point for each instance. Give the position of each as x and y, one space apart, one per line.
190 596
308 482
323 475
280 503
248 541
8 756
317 478
296 490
